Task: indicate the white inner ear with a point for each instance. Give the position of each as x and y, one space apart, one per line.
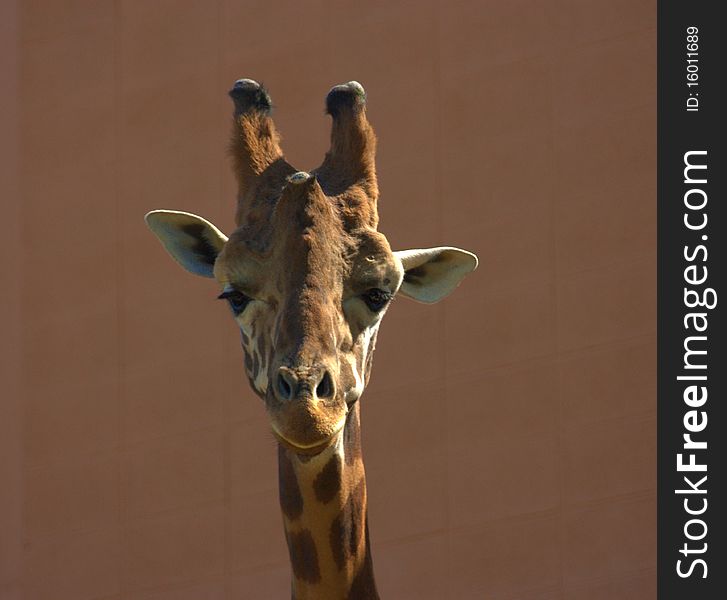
430 274
191 240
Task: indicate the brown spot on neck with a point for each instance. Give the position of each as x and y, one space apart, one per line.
328 482
364 586
304 557
348 528
291 500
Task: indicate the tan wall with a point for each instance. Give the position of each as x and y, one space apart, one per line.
509 431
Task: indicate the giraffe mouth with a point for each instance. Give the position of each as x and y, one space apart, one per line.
306 449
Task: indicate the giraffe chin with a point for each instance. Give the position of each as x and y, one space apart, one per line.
308 449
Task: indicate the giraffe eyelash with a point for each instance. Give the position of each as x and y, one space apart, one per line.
237 300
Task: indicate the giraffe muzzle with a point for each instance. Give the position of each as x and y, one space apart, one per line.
315 383
304 412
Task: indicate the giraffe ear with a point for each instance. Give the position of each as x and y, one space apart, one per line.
430 274
192 241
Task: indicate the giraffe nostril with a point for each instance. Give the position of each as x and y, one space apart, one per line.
325 386
285 390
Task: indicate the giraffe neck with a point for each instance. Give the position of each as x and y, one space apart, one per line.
323 501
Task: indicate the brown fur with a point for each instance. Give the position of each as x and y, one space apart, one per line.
363 586
347 175
291 500
328 482
347 529
258 164
304 557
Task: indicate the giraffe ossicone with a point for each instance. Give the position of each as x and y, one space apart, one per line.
308 278
299 177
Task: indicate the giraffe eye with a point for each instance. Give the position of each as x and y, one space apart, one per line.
376 299
237 300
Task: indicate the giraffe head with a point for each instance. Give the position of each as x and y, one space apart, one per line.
306 274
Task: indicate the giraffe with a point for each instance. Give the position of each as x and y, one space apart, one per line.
308 278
